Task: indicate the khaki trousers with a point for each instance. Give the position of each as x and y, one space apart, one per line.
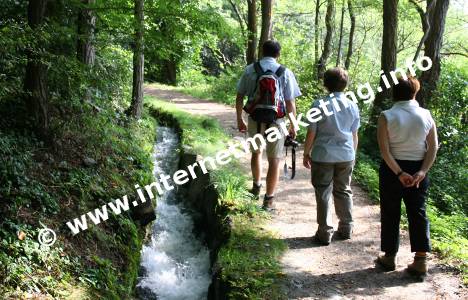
333 179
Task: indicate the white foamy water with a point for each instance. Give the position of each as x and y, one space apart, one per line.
176 263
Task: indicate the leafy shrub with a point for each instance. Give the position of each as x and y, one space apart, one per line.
449 108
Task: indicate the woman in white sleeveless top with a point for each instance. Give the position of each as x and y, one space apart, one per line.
407 138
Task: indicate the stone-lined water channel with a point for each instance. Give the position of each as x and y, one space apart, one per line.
175 262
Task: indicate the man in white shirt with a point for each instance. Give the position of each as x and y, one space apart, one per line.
289 91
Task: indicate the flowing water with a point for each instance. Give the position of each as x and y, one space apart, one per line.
176 264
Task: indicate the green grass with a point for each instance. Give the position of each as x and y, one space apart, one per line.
45 187
250 259
203 135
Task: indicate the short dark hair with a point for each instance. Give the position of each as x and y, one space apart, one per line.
335 80
271 48
406 89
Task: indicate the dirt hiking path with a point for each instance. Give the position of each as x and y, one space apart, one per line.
344 269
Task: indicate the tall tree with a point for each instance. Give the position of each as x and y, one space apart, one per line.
425 22
432 47
265 33
138 62
316 31
388 55
85 51
86 26
238 15
35 82
340 41
251 54
352 18
329 22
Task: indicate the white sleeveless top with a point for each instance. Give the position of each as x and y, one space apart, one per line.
408 126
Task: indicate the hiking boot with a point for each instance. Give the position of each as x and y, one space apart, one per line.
388 263
255 191
317 240
268 203
344 235
418 267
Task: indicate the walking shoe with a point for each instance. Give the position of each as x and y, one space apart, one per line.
268 203
418 267
317 240
344 235
255 191
388 263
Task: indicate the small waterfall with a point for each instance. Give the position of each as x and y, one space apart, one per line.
176 264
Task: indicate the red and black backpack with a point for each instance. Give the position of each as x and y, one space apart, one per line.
267 104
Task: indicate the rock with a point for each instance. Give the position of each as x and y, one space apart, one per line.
49 158
63 165
89 162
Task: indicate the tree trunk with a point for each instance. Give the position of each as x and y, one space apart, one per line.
352 18
388 63
424 22
389 54
86 25
236 11
338 57
171 69
329 21
138 62
85 51
316 31
35 82
432 47
251 54
265 34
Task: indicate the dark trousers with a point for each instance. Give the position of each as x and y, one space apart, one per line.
391 193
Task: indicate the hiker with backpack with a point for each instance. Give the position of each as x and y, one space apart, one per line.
329 151
271 90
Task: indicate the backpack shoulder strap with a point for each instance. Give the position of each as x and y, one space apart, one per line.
258 68
280 72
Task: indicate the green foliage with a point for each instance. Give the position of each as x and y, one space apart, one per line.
231 184
220 89
449 108
48 181
197 29
45 185
29 266
20 185
366 173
